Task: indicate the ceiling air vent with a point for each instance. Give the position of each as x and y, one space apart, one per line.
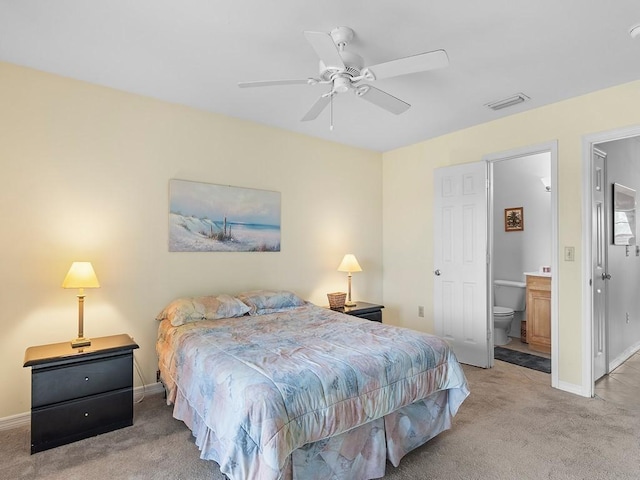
508 102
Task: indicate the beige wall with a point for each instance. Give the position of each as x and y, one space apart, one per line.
407 204
85 174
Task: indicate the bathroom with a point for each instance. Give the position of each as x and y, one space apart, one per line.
521 235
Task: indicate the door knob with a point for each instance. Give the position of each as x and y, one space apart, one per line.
606 276
437 272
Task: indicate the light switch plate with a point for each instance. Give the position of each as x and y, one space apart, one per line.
569 254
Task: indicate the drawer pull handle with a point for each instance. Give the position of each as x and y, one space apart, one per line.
86 379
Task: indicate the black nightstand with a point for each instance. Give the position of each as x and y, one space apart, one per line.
78 393
370 311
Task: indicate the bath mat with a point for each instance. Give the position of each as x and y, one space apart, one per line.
523 359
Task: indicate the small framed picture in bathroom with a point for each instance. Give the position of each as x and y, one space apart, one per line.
513 219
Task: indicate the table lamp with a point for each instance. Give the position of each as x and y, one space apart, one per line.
81 276
349 264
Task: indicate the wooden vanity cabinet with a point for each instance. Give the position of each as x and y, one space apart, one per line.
539 313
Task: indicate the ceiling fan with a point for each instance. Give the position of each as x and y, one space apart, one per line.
344 71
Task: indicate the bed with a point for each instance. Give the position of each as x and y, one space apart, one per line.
273 387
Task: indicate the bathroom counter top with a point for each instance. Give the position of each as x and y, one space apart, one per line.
538 274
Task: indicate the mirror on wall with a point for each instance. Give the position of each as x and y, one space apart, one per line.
624 215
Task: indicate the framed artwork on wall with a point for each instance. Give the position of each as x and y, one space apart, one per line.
204 217
513 219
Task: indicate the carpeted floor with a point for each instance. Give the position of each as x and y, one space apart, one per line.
512 426
523 359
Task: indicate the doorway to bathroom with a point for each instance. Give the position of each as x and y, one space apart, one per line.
464 255
523 251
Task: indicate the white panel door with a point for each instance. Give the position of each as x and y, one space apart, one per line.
599 242
460 262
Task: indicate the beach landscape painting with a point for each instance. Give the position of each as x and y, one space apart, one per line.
205 217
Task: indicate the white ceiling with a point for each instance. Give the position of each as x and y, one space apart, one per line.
194 52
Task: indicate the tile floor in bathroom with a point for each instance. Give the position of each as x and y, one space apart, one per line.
620 387
516 344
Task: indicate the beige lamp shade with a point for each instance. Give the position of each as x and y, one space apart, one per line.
349 264
81 275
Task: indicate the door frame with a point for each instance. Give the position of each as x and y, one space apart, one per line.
552 148
588 143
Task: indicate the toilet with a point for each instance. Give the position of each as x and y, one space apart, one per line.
508 298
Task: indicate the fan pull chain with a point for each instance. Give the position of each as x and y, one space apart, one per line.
331 113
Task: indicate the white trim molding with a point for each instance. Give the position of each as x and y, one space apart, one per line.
624 356
15 421
573 388
588 142
552 148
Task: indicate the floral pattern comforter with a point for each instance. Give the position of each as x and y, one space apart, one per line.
256 388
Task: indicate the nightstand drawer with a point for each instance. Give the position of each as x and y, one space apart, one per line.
78 419
58 384
367 311
373 316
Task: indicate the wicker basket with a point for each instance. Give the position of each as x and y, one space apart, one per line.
336 300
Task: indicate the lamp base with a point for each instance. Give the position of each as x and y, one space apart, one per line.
80 342
350 304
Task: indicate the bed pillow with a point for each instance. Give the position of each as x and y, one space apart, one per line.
192 309
262 302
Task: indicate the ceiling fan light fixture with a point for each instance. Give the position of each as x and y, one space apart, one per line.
507 102
341 84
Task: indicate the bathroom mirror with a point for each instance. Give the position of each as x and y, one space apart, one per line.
624 215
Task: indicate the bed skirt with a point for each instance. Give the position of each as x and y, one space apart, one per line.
358 454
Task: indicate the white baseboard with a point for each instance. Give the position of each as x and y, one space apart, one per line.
15 421
573 388
152 389
22 419
624 356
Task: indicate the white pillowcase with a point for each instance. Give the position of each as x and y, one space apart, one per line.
192 309
270 301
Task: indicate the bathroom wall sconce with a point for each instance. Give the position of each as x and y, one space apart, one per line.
546 181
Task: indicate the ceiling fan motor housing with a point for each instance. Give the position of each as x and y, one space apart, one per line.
353 62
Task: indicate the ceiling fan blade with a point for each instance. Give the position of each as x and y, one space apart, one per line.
382 99
317 108
413 64
325 48
270 83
